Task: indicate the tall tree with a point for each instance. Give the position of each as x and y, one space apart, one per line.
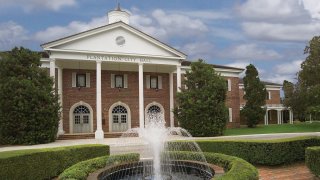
255 97
201 105
29 108
309 76
288 89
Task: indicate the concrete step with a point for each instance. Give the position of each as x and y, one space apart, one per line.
87 136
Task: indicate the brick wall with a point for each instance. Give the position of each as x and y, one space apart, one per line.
275 97
233 102
129 96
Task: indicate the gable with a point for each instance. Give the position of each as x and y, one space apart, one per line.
136 42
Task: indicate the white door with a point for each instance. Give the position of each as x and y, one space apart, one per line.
119 119
81 120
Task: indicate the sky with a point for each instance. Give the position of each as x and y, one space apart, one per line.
271 34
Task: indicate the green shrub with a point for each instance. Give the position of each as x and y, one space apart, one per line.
313 159
266 152
29 108
235 168
45 163
82 169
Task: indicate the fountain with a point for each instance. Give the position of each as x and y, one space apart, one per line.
153 142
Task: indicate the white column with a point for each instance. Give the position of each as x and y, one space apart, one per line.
141 97
171 100
291 117
279 116
53 71
178 78
266 120
60 130
99 134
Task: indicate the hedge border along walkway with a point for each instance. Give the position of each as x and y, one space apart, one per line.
81 170
46 163
313 160
264 152
235 168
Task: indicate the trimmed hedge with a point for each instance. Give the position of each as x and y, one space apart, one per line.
45 163
235 168
313 159
81 170
266 152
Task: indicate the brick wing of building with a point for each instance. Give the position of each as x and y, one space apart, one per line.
110 77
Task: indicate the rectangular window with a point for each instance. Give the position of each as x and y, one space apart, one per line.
153 82
86 119
118 81
268 95
81 80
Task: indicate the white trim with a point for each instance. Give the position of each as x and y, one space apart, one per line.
269 95
110 114
229 84
99 134
60 93
109 27
154 103
80 103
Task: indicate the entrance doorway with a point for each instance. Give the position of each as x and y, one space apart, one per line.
81 119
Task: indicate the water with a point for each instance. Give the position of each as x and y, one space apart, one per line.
151 143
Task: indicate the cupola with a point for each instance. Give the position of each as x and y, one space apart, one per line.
118 15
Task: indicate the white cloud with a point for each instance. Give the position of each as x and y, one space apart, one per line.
179 25
12 34
249 52
55 32
281 32
29 5
290 68
313 6
204 14
196 50
287 11
238 64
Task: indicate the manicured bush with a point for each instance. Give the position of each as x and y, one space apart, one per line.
82 169
313 159
266 152
235 168
29 108
45 163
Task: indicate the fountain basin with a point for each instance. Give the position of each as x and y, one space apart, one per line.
142 170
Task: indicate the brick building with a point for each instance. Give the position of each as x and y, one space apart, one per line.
276 112
110 77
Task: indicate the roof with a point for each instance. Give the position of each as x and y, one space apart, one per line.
104 26
188 63
264 82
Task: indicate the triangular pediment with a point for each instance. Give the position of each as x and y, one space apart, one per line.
115 38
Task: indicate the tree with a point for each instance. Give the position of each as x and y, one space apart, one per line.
29 108
288 89
307 90
201 106
255 97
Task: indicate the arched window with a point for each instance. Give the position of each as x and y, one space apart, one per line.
81 110
154 109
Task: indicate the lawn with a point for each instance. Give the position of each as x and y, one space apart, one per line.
275 128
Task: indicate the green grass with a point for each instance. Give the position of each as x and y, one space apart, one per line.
275 128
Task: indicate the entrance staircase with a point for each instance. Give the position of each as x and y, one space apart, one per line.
87 136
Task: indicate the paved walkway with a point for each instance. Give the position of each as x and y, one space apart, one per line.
296 171
116 142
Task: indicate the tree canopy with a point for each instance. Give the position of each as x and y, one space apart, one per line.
29 108
255 97
201 105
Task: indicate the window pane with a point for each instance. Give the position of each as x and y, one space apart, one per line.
123 119
85 119
115 119
119 81
76 119
81 80
153 82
